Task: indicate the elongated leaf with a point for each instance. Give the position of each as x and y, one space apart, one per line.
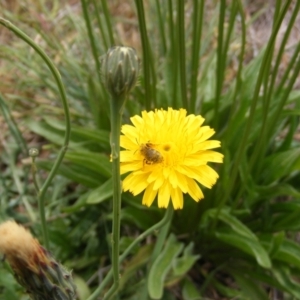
96 162
183 264
189 291
283 275
272 242
83 138
138 260
102 193
142 218
78 174
161 267
289 252
278 189
82 133
250 246
235 224
281 164
250 288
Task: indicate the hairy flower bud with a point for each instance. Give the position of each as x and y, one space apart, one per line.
34 267
120 68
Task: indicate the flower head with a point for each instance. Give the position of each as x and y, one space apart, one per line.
167 153
33 266
120 68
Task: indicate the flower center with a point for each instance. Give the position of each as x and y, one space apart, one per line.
166 147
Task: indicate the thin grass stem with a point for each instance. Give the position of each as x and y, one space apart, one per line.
13 126
173 56
220 61
269 89
57 78
108 22
232 19
244 141
288 70
181 48
278 112
196 46
161 27
100 25
91 37
146 53
238 84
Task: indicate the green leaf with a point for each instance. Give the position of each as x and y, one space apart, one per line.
83 290
278 189
81 138
82 134
141 218
102 193
235 224
76 173
161 267
96 162
281 164
135 263
183 264
272 242
286 216
189 291
289 252
250 288
284 277
249 246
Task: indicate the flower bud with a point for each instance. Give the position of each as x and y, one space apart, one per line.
33 152
120 68
34 267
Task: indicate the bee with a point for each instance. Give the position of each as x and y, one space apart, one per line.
152 156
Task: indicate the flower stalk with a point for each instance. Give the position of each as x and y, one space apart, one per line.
116 114
120 67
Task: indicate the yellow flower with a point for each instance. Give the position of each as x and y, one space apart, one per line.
167 154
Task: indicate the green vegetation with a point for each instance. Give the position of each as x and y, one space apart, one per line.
241 241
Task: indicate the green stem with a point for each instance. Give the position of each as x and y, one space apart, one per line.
100 25
182 60
57 78
165 220
91 37
288 69
162 236
116 105
146 53
197 34
239 81
173 57
221 60
13 126
34 171
161 27
108 22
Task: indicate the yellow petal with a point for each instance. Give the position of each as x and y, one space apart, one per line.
164 194
194 190
149 195
177 198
